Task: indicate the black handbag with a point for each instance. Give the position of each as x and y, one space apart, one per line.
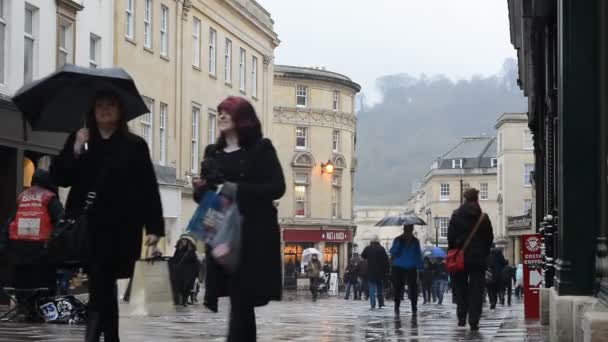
69 240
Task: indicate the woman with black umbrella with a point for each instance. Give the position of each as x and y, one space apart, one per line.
116 165
248 165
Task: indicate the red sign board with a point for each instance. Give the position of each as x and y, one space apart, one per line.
533 277
297 235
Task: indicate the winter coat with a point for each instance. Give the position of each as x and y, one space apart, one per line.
496 263
426 275
439 271
362 269
313 269
462 222
184 269
406 256
350 274
377 261
127 200
259 183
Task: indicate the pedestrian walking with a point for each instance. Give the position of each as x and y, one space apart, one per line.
407 260
362 273
116 165
494 281
426 275
377 267
440 280
185 268
508 278
469 223
313 272
351 279
247 165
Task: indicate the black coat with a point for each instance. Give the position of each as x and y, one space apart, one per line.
462 222
260 183
127 197
377 261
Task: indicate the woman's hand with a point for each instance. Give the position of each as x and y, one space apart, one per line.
151 239
82 137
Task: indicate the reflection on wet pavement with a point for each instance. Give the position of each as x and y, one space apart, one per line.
299 319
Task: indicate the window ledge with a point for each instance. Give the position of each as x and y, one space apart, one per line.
228 84
242 92
196 68
130 40
148 49
164 57
255 98
214 76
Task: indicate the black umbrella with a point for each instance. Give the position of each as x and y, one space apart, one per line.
61 101
401 220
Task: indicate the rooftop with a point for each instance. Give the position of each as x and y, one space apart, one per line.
314 73
475 153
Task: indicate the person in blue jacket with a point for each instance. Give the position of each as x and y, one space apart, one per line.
407 260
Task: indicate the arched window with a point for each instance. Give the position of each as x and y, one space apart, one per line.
339 162
303 159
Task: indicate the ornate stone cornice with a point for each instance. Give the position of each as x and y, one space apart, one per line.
70 4
186 7
315 117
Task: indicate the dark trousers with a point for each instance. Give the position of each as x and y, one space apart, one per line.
400 277
493 293
242 327
427 287
102 309
509 291
468 287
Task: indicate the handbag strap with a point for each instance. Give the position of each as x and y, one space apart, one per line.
472 233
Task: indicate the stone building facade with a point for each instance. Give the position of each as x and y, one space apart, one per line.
515 197
314 126
186 57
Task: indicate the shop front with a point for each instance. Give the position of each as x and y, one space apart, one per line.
334 244
21 152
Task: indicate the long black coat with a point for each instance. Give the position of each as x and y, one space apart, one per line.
260 183
462 222
127 197
377 261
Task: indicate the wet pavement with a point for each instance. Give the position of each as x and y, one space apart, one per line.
299 319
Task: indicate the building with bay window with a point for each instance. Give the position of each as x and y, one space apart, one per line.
314 129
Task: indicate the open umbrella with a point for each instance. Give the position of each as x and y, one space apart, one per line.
308 253
434 252
61 101
401 221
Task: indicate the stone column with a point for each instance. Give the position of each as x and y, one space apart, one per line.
579 139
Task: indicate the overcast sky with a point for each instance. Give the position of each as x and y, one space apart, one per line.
366 39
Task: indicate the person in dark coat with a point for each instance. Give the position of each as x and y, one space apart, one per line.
426 278
248 162
351 279
377 268
184 269
117 166
494 279
469 284
440 280
362 272
508 279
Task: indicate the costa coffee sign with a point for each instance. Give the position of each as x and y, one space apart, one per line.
294 235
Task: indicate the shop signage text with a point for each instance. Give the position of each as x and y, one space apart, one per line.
296 235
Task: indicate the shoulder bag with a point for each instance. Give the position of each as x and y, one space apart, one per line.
455 259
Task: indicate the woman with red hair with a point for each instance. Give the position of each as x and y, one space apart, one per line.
245 163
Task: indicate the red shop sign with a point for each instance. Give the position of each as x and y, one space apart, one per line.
295 235
533 276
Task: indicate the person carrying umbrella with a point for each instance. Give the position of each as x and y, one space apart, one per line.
313 272
126 200
407 260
